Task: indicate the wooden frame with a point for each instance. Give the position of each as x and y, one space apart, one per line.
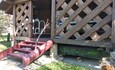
113 23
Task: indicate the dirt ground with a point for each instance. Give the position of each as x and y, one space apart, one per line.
10 63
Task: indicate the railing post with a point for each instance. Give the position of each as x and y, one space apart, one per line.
113 23
54 49
14 26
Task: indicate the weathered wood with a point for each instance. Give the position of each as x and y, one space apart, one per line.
113 23
8 8
30 19
9 1
22 10
106 34
53 19
60 2
96 27
84 43
54 49
14 26
96 11
66 22
71 3
20 1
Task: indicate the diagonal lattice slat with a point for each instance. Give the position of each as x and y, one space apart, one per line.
22 19
92 19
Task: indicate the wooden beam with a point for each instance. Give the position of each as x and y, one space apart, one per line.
20 1
9 1
113 23
30 19
53 19
14 25
54 49
84 43
8 8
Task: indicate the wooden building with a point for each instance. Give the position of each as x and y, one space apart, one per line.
76 22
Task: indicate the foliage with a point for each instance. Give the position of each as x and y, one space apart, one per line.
5 22
61 66
3 43
96 54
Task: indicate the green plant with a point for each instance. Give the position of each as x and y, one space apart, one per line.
61 66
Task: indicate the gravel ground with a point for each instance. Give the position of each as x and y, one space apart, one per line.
10 63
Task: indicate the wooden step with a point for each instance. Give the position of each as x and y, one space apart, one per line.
33 42
18 55
22 50
27 46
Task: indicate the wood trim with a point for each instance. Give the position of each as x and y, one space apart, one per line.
30 19
14 25
53 19
20 1
113 23
84 43
87 18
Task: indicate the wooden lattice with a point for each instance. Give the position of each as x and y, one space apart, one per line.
23 18
84 19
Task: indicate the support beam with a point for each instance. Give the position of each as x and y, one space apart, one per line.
30 19
14 24
84 43
53 19
20 1
8 8
113 23
54 49
9 1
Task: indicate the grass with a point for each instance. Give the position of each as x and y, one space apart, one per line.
61 66
3 42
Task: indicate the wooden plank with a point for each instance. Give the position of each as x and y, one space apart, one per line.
106 34
9 1
71 3
20 1
59 3
66 22
96 27
8 8
113 23
96 11
14 25
53 19
30 18
84 43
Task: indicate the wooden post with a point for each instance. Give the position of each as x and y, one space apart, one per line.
14 23
30 19
54 49
113 23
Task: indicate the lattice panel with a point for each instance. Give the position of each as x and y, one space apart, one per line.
23 19
84 19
